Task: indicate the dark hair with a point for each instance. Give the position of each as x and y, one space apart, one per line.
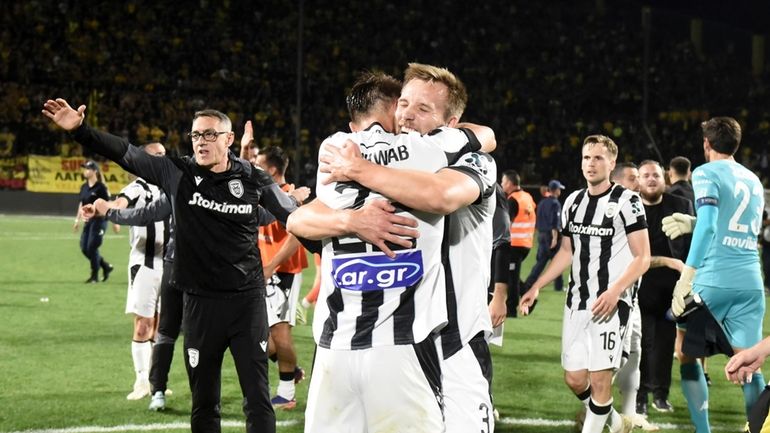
617 172
371 89
680 165
723 134
513 176
275 157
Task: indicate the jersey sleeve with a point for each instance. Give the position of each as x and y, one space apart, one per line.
482 169
156 210
455 143
632 212
131 193
565 214
705 187
273 198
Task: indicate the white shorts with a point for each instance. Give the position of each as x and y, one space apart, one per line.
590 345
282 297
633 341
372 390
467 403
143 297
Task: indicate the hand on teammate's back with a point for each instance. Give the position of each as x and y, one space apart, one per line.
377 224
339 162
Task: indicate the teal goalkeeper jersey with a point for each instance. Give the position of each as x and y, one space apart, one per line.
731 258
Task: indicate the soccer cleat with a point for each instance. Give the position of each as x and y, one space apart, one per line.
642 423
626 425
158 401
107 271
299 374
141 390
279 402
662 405
91 280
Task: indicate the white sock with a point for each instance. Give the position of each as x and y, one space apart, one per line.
596 417
286 389
627 380
141 352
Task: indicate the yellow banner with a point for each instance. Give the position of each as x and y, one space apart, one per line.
13 172
58 174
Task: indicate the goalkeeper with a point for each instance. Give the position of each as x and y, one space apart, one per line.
723 264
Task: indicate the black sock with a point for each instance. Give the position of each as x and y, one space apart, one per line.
284 376
585 395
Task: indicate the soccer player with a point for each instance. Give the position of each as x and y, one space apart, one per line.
723 264
628 376
424 98
215 197
284 259
145 271
605 242
170 319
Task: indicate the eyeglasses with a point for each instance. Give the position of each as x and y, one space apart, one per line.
207 135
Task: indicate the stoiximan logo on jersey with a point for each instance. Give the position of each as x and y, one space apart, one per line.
377 272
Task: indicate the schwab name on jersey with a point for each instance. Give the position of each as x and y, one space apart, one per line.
591 230
377 272
198 200
386 156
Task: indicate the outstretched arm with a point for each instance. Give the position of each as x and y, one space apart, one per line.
560 262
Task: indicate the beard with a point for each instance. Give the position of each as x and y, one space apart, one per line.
651 196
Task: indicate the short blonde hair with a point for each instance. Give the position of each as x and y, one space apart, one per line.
605 141
457 97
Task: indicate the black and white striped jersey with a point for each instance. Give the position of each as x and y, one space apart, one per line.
148 242
368 299
467 254
598 227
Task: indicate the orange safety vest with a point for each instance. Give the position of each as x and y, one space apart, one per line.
271 238
523 225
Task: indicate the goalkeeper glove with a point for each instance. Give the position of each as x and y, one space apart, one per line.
682 289
678 224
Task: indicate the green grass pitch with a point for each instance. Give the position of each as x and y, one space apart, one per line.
65 358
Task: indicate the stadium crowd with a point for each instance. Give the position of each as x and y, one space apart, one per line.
541 75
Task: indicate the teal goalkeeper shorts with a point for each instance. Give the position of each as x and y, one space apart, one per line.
739 311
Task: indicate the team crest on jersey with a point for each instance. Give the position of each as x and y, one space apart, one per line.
236 188
611 210
193 355
475 161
